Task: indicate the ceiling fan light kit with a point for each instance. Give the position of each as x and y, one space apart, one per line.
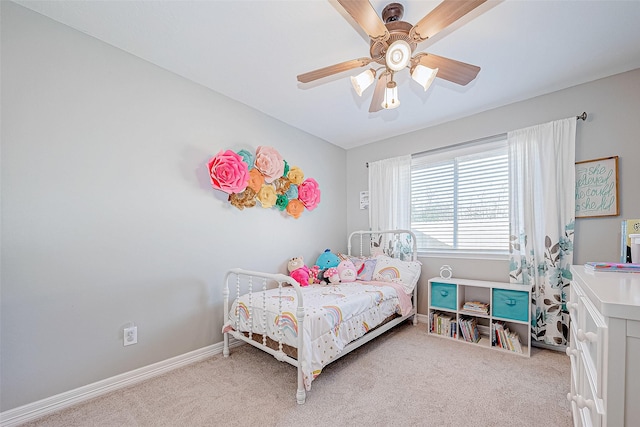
398 55
424 76
392 44
363 80
390 96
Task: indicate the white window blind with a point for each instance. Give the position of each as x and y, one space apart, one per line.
460 199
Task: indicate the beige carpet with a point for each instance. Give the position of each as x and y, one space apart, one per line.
404 377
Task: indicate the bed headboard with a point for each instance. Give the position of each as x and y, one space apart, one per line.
399 244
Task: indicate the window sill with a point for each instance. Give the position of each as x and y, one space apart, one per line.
464 255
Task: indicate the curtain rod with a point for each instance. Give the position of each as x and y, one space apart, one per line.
582 117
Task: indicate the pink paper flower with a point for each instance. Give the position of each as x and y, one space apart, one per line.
270 163
309 193
228 172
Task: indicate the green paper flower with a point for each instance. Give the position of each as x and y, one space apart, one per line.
247 157
282 202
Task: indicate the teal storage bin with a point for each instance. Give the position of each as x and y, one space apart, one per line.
443 295
508 304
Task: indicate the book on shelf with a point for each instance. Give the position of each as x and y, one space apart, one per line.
476 307
504 338
443 324
629 226
613 266
469 329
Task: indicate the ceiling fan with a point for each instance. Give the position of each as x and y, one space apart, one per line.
393 43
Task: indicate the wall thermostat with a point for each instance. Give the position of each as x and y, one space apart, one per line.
446 272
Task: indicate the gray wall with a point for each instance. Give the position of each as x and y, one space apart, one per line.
108 216
612 129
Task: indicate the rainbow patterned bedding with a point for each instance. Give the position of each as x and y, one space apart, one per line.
335 315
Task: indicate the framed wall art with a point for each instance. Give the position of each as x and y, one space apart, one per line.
597 187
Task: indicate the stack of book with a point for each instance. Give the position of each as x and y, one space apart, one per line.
443 324
613 266
476 307
504 338
469 329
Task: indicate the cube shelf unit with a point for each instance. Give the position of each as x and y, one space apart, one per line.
508 303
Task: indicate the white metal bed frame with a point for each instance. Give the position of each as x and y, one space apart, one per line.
281 279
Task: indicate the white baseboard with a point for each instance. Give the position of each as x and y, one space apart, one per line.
422 318
41 408
29 412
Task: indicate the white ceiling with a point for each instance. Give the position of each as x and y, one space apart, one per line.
252 52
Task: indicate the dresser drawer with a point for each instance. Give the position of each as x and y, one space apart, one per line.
591 334
508 304
443 295
589 407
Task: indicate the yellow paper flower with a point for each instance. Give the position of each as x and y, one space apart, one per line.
267 196
295 175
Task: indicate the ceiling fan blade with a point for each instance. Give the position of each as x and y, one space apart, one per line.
333 69
449 69
378 94
445 14
365 15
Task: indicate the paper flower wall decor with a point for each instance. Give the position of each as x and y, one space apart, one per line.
264 178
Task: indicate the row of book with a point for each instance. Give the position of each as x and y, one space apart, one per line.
443 324
469 329
476 307
504 338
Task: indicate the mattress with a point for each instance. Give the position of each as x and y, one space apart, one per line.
335 315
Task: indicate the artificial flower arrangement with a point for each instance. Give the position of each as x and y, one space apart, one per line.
265 178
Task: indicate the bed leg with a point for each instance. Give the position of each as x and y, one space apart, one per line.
301 396
225 347
415 319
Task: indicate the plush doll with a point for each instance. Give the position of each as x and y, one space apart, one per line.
331 275
298 271
314 273
327 260
347 271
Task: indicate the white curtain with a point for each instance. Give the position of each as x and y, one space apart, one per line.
390 194
542 197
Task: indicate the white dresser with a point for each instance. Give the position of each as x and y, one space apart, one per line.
605 348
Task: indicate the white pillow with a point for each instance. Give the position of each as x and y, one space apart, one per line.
394 270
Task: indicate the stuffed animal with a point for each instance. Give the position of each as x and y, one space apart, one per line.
298 271
314 273
347 271
331 275
327 260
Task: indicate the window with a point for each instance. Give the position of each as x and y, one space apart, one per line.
460 198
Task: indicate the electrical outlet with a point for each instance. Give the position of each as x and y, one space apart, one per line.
131 335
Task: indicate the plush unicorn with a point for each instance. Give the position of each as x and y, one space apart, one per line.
347 271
